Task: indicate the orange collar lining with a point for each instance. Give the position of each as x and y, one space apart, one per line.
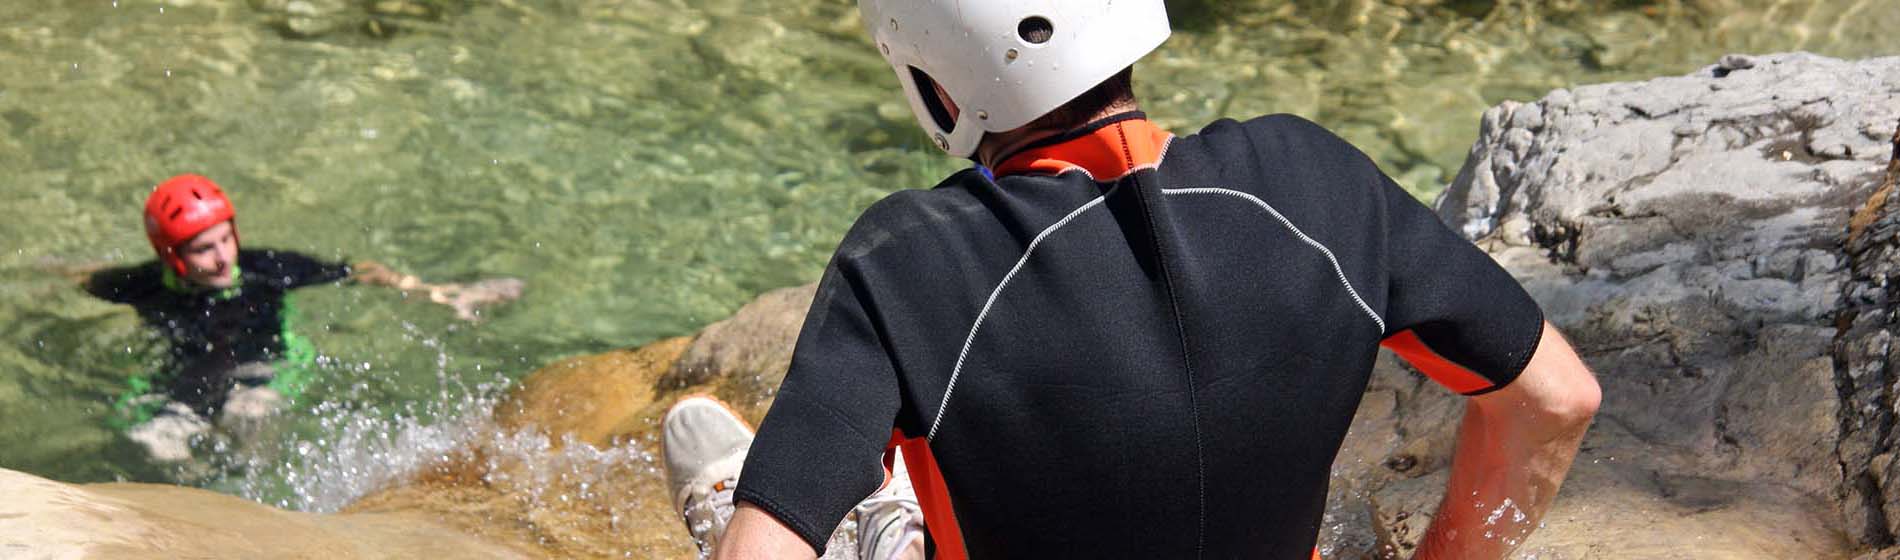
1107 154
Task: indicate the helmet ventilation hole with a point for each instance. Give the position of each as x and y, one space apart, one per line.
1035 30
927 90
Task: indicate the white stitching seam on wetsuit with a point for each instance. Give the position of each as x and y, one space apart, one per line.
1296 232
958 370
978 324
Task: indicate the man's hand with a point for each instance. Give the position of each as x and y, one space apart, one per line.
466 299
1514 447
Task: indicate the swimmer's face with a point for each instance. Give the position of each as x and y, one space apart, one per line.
210 257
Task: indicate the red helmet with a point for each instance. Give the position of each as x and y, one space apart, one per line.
182 207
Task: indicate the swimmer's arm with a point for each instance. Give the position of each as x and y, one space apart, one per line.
110 281
1515 443
465 299
372 273
753 533
79 273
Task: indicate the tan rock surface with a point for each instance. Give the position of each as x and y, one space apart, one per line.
47 519
593 399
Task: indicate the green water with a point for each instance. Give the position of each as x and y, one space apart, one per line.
646 166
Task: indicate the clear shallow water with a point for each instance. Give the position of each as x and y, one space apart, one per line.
646 166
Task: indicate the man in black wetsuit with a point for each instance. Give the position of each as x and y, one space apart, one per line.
1111 341
233 357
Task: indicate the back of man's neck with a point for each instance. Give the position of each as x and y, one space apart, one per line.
997 146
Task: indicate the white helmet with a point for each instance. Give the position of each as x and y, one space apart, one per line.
977 50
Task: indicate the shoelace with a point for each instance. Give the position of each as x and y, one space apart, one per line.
876 514
708 516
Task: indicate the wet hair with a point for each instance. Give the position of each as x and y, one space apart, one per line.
1118 89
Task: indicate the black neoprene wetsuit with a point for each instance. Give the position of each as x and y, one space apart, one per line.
1127 344
213 331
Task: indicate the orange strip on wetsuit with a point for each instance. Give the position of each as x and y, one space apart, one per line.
1446 372
933 497
1107 153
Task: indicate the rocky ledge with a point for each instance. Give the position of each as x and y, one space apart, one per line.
1723 248
1719 246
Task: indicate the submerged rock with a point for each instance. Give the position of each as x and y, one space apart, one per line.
311 19
308 18
1692 236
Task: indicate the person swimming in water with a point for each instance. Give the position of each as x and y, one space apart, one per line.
226 312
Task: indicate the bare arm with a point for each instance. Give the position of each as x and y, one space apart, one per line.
464 298
373 273
1514 447
753 534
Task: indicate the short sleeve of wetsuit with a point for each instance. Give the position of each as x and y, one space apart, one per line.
289 270
1451 311
819 450
129 284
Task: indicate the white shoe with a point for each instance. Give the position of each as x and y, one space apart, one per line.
167 437
704 443
889 522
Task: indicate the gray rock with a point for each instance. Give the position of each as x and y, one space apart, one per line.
753 348
1692 235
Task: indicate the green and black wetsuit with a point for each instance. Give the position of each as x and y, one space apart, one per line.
214 332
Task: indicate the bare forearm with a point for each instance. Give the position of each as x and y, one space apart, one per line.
377 274
754 534
1497 495
1514 449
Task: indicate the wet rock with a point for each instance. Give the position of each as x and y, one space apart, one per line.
596 399
1612 510
569 466
572 461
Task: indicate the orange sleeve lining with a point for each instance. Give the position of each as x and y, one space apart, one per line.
1446 372
933 496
